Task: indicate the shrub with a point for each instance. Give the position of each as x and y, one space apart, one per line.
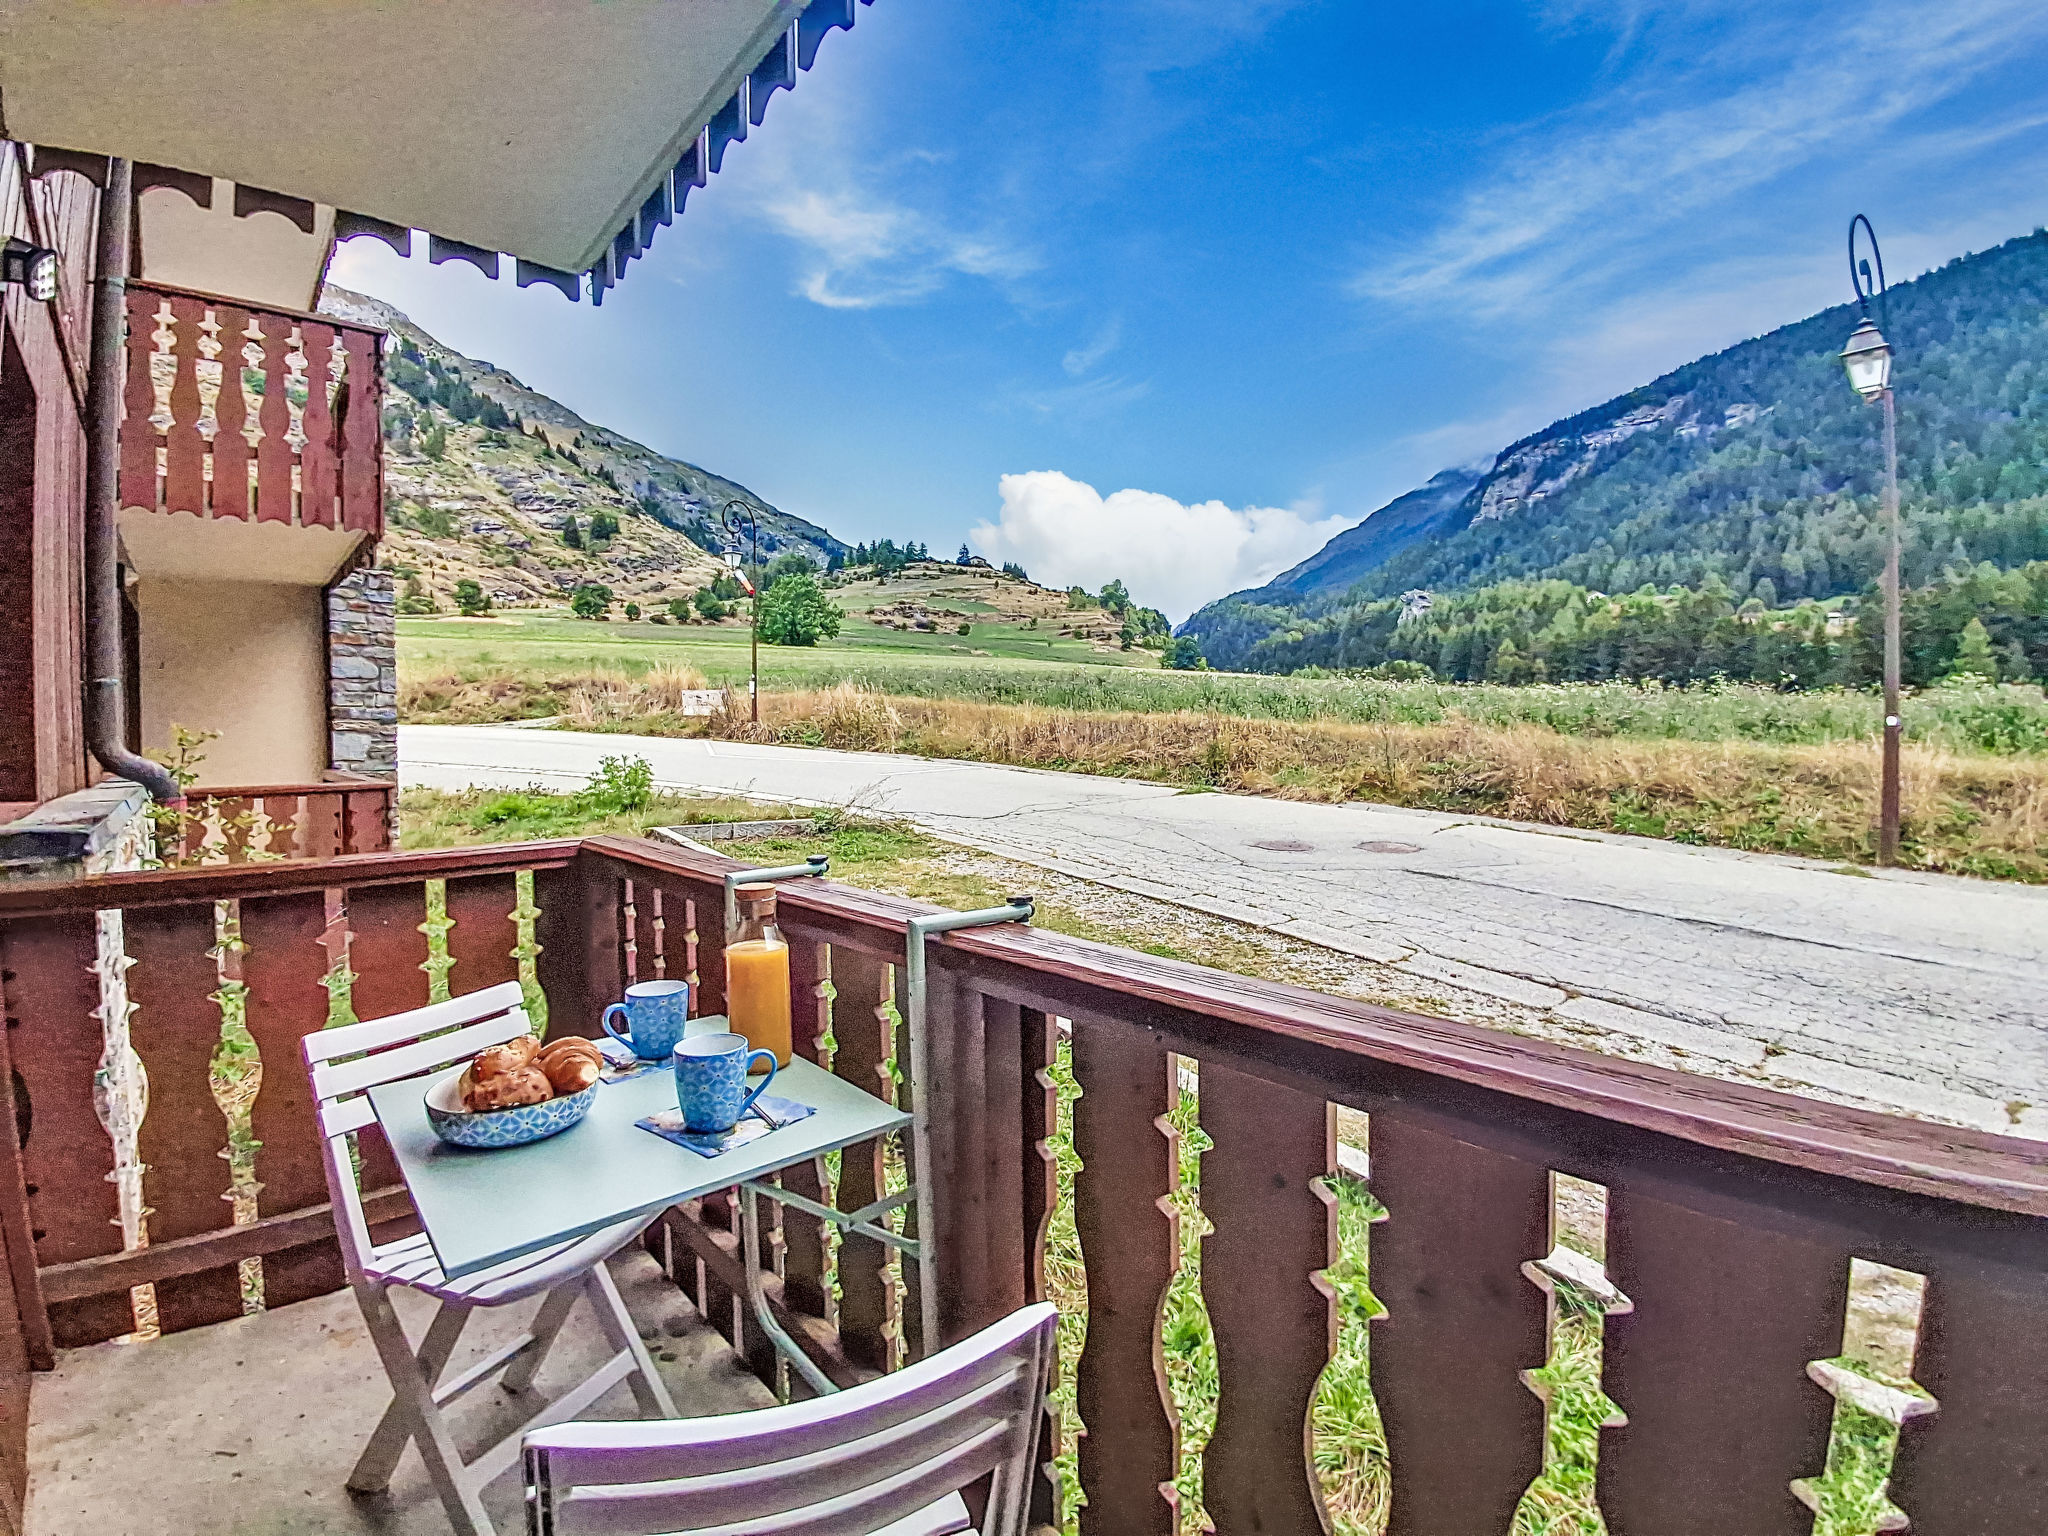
679 609
590 601
471 600
708 605
632 611
603 527
620 784
795 611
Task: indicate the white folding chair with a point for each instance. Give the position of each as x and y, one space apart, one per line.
344 1063
886 1458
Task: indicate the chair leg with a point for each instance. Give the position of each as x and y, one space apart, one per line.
648 1389
393 1433
545 1328
412 1399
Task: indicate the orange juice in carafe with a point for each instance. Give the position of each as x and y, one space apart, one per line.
757 975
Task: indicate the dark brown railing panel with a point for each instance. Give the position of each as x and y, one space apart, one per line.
233 411
1130 1247
1274 1232
69 1202
282 821
1981 1462
1711 1369
862 1034
1464 1436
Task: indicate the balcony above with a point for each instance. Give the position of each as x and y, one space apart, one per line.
250 443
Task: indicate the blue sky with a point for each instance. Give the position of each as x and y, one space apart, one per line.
1172 290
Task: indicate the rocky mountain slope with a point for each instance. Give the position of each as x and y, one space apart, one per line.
483 476
1756 468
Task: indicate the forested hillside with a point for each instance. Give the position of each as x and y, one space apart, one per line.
1753 473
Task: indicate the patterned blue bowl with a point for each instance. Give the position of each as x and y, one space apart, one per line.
512 1127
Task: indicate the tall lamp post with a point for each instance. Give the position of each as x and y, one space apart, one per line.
1868 359
741 525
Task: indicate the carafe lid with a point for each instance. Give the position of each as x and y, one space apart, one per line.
755 900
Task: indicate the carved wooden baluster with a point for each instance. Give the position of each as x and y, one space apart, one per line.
1274 1232
1978 1465
658 927
284 961
1711 1365
1038 1048
629 931
138 432
959 1139
1130 1446
176 1030
47 967
269 341
207 371
483 935
804 1284
361 431
184 449
859 1030
231 410
1464 1438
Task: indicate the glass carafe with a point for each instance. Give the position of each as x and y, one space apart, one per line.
757 975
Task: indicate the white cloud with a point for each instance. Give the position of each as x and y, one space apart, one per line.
1172 556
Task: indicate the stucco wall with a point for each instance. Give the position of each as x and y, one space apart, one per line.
246 659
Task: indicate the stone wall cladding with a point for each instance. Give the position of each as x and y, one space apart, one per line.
362 674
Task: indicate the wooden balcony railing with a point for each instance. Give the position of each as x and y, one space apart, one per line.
338 814
264 415
1732 1213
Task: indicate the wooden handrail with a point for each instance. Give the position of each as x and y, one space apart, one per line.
1974 1167
342 786
172 887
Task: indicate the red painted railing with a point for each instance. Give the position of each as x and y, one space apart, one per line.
259 414
342 813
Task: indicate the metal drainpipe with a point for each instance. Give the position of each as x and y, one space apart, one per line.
816 864
1019 910
106 714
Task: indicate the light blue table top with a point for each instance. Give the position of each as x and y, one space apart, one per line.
481 1208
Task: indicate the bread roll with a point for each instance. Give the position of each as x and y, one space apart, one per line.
569 1071
509 1057
503 1090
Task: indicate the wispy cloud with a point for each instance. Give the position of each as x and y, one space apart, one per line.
1106 340
866 251
1580 196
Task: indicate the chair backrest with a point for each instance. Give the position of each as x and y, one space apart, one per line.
842 1465
345 1062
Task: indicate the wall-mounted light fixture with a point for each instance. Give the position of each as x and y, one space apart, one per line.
34 267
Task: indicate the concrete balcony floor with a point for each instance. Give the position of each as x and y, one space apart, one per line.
249 1428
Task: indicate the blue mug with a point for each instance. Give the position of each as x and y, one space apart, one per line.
657 1012
711 1081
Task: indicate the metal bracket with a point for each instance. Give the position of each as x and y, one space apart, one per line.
912 1001
816 864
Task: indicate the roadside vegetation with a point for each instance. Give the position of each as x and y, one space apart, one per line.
1726 766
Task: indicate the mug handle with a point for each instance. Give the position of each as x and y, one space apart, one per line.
605 1020
747 1071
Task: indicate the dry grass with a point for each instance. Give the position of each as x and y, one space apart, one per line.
1972 815
1977 815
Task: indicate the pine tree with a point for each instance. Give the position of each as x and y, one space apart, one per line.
571 534
1974 657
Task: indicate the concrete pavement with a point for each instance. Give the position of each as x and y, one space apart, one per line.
1924 992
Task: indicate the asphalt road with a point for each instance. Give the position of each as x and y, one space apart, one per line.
1925 992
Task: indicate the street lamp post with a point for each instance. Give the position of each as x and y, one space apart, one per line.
1868 359
741 524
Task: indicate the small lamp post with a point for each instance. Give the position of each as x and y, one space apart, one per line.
741 525
1868 361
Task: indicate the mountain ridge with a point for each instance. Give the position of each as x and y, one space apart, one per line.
1754 466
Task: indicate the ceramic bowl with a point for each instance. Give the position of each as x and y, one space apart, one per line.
513 1127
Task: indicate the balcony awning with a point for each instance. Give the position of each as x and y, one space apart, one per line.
559 134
